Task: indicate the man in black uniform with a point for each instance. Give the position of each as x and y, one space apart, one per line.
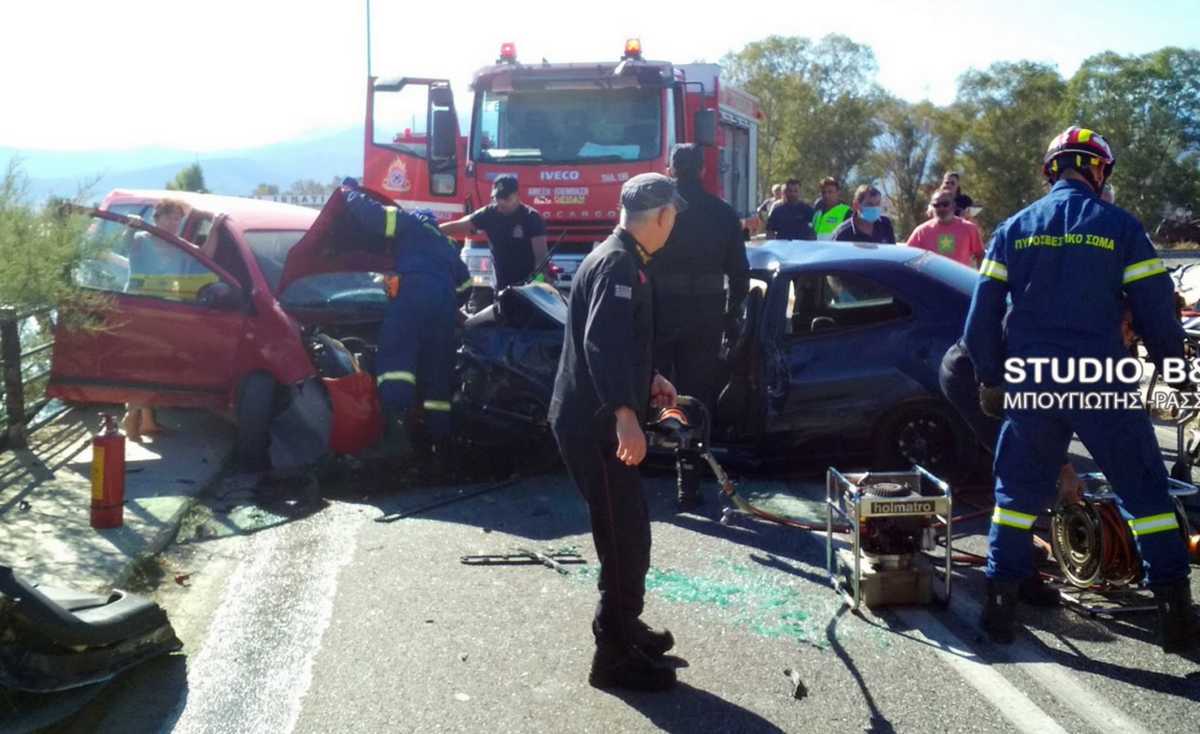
791 219
605 384
516 233
691 309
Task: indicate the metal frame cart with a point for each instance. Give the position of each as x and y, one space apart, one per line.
848 496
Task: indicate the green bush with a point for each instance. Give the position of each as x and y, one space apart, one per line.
40 247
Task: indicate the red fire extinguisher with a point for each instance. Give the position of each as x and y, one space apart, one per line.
108 476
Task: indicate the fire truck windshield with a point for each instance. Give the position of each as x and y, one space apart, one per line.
568 125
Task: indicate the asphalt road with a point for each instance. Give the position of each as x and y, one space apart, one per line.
321 618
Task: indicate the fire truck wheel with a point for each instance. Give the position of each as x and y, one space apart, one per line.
928 434
255 407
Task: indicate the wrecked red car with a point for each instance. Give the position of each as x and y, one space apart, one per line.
204 318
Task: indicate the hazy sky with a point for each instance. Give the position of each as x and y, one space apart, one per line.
219 74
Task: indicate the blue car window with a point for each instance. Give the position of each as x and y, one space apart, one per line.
835 302
843 292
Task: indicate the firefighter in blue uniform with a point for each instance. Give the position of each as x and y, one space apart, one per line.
1066 261
417 337
960 387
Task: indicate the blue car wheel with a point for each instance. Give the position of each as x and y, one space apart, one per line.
928 434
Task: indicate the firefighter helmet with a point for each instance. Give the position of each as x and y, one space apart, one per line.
1078 148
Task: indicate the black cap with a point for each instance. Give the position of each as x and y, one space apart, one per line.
650 191
687 159
504 186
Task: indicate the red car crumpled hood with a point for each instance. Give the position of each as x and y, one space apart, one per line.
334 244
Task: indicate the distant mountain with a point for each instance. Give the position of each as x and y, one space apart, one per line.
235 172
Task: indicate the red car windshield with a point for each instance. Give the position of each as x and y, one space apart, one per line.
270 249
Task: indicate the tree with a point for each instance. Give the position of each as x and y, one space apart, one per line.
42 248
264 189
817 101
949 126
1013 111
902 161
1148 108
191 178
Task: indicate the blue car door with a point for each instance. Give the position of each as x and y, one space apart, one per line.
834 362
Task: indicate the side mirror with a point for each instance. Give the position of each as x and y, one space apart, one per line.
220 296
444 143
441 97
705 123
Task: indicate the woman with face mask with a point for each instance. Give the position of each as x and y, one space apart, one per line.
868 223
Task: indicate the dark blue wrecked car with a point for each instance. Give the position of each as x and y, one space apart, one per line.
837 354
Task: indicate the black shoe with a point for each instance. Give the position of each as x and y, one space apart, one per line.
655 643
687 483
999 619
1178 626
1035 592
628 667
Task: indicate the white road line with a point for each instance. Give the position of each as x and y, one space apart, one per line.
1013 705
1089 706
256 663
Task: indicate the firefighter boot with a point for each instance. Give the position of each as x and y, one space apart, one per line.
396 445
1178 626
441 461
1035 592
617 666
433 459
999 618
687 481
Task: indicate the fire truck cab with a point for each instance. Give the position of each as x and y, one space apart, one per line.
572 134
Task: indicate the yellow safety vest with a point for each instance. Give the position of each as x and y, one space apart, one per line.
824 223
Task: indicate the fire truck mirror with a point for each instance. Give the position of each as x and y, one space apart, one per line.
441 97
444 142
706 127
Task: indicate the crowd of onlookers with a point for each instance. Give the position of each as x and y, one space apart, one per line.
949 229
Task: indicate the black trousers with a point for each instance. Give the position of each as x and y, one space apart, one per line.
620 530
961 388
691 359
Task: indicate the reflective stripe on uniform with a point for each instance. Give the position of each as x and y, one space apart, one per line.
1143 269
389 227
408 377
1154 524
466 284
993 269
1013 519
438 405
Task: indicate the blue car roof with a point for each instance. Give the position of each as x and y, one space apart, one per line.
789 254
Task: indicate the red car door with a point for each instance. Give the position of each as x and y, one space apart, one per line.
163 330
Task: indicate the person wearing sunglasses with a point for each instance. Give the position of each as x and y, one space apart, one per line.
947 234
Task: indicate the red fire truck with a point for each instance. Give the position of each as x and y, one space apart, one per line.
572 133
